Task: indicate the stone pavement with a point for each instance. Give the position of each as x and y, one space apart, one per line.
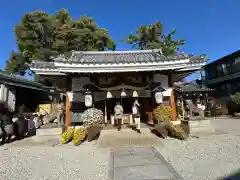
127 138
144 163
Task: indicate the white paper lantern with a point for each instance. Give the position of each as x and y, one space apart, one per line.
70 96
135 94
109 95
158 97
123 94
88 100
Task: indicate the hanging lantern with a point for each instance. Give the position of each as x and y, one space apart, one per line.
109 95
158 97
135 94
88 99
123 93
70 96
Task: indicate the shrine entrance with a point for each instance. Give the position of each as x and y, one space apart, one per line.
109 104
127 103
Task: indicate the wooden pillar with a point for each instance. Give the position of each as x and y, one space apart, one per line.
68 112
182 104
68 104
172 98
173 106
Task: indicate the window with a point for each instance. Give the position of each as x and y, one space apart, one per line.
236 65
230 67
233 87
211 73
203 74
214 71
219 70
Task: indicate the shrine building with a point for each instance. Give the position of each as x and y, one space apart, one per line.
100 79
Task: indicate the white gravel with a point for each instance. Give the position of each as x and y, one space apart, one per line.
47 162
209 157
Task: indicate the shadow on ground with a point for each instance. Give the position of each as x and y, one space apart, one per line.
28 134
233 176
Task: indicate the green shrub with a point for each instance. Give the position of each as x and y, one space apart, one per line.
79 136
67 136
236 98
163 114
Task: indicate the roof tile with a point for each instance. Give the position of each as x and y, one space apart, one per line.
93 57
115 57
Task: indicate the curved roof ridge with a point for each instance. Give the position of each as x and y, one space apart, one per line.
119 52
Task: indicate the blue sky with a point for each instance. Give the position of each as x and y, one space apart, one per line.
208 26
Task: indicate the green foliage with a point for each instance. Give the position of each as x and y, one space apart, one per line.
67 136
16 63
40 35
163 114
236 98
152 37
79 136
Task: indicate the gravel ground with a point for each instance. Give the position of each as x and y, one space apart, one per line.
48 161
206 157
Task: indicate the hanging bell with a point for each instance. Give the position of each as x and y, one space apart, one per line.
109 95
135 94
123 93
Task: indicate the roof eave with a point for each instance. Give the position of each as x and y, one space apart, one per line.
63 70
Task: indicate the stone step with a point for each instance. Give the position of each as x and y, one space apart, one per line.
49 132
200 126
52 131
112 138
198 123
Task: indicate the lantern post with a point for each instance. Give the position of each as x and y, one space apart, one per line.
109 96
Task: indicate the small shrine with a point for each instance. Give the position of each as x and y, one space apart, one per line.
100 79
191 99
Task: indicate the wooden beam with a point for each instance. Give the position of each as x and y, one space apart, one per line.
67 112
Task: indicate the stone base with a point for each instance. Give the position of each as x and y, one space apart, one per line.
200 126
126 137
174 122
49 132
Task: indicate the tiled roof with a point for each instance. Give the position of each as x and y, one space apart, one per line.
116 57
190 87
21 82
112 57
42 65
